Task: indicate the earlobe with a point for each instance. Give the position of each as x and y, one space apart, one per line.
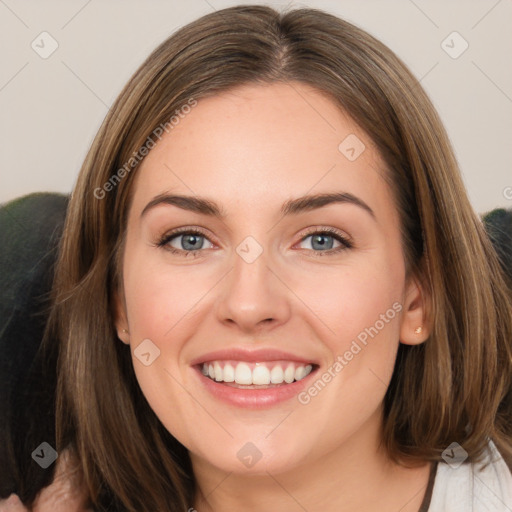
124 336
414 328
120 319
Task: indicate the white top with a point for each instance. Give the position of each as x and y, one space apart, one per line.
467 488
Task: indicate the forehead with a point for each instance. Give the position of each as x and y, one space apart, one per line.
257 145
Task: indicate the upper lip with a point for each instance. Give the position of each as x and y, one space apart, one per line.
251 356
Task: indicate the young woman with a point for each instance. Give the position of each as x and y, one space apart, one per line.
272 290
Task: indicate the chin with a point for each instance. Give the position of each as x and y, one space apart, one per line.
257 457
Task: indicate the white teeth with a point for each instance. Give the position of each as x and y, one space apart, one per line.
229 373
217 368
289 373
302 372
277 375
243 374
299 373
261 375
258 374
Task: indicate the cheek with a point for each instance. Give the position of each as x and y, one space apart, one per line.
160 298
349 300
357 308
162 303
160 307
358 312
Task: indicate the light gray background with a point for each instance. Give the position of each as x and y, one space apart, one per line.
51 108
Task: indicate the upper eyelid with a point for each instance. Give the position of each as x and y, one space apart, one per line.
167 237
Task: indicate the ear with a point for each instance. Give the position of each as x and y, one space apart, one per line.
415 314
120 319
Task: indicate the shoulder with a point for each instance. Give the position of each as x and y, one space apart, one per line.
479 487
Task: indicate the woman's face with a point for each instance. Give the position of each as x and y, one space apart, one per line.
268 295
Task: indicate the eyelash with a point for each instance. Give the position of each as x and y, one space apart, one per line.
164 241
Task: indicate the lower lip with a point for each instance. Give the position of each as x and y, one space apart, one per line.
254 398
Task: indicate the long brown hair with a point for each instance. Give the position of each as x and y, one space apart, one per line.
454 387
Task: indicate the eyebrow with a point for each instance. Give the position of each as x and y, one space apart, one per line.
208 207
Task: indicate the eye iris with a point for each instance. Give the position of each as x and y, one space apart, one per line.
186 239
323 244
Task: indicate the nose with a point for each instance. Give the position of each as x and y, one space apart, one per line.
254 297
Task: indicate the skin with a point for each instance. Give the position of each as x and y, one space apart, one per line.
250 150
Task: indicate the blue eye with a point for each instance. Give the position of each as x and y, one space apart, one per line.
324 241
192 241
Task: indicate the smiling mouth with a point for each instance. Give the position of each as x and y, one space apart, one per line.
258 375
